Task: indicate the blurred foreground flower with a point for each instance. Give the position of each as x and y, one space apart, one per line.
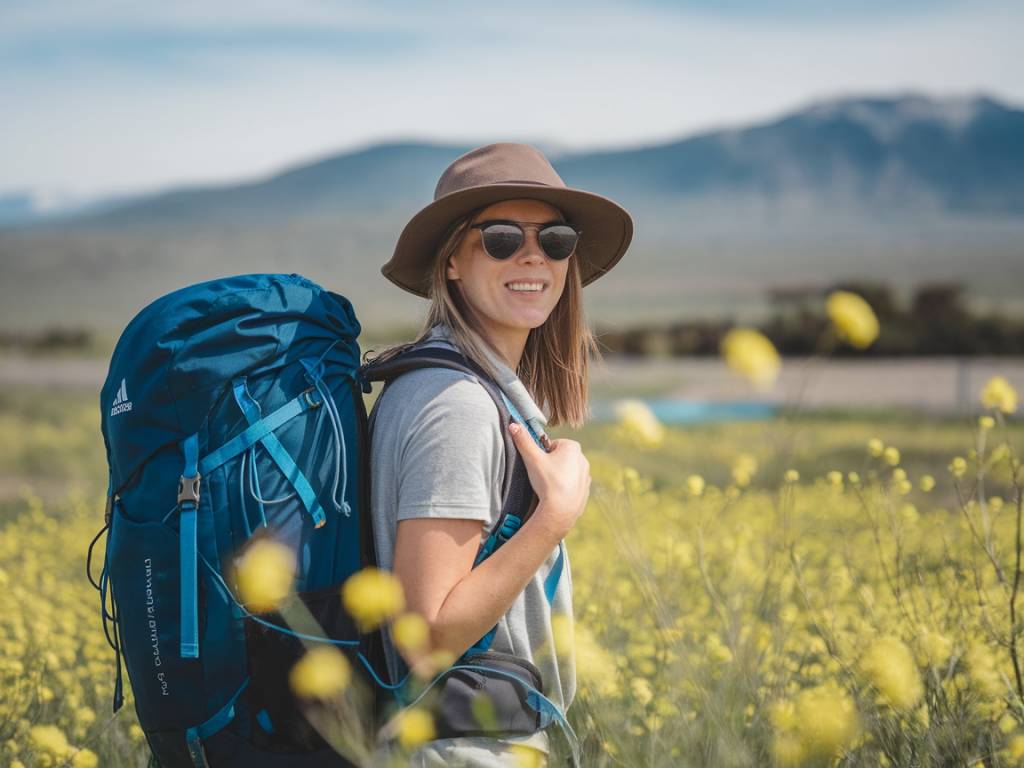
265 573
639 422
527 757
853 318
999 393
410 632
371 596
695 485
817 726
889 665
415 726
750 353
321 673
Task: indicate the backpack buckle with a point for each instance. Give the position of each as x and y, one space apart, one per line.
188 489
310 400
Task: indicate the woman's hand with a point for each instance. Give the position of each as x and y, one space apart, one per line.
560 477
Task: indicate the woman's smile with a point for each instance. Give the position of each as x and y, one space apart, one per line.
521 286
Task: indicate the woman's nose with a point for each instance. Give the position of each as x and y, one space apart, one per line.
531 252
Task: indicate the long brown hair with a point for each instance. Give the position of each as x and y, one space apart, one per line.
555 364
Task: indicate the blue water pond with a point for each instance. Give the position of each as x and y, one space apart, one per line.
676 411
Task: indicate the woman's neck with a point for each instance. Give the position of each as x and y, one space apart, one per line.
509 349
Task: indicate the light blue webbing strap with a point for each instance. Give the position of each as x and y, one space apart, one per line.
256 432
277 452
194 736
506 532
188 506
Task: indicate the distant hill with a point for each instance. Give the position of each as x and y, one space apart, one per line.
964 154
897 188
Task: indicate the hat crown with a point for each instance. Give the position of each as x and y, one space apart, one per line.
501 163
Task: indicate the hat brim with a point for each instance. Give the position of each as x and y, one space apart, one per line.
607 229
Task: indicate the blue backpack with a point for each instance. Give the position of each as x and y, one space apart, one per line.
232 408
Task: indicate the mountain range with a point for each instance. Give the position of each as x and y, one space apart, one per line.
842 188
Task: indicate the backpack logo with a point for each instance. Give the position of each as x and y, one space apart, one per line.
121 402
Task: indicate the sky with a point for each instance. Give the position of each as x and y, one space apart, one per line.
102 98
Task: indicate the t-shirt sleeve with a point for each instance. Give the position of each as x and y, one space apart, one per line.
450 462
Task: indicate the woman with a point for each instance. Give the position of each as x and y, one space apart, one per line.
502 253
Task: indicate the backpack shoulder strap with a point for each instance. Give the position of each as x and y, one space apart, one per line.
442 357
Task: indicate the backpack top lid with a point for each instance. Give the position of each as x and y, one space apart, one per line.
174 358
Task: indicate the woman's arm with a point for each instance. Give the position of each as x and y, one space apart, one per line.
434 556
434 561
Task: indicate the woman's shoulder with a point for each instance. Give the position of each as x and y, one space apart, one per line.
429 394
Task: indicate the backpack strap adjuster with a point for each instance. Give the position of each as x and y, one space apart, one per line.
188 489
311 401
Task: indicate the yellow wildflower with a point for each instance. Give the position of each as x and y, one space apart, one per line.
642 692
958 466
415 726
695 485
743 468
875 447
85 758
639 423
909 514
835 478
265 573
527 757
853 478
1015 747
372 595
852 318
926 483
791 476
986 422
49 738
321 673
983 670
891 456
935 647
750 353
816 726
999 393
410 632
889 666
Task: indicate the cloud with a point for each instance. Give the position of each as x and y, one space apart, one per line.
193 93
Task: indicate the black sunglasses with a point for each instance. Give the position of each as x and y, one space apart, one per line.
503 238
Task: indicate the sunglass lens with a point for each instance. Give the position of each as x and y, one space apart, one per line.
502 240
558 241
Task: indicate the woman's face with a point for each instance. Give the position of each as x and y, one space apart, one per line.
502 294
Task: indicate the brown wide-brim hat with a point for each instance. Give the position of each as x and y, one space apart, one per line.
507 171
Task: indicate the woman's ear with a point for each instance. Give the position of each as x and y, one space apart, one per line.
451 271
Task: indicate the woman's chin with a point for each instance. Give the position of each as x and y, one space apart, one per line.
531 320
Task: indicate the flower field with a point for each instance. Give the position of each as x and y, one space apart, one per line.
815 590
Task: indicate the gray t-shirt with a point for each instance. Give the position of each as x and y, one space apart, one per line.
438 451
